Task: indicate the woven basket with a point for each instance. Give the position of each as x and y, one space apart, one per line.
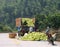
12 35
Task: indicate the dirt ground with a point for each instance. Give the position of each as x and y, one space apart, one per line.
5 41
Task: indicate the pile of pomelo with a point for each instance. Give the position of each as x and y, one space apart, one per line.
34 36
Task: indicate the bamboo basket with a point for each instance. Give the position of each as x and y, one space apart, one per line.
12 35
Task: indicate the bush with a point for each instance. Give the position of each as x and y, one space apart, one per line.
42 21
7 29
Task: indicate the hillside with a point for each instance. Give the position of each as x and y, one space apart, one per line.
12 9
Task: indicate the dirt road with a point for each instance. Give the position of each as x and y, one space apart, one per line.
5 41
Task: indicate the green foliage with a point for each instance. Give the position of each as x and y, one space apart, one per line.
42 21
55 21
7 28
12 9
34 36
1 27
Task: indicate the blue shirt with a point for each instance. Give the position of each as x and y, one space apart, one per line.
18 28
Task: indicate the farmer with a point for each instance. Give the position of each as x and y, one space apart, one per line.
50 38
19 29
47 30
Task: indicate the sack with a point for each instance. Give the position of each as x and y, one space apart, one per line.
54 36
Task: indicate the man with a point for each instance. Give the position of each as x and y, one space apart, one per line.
50 38
19 29
47 30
